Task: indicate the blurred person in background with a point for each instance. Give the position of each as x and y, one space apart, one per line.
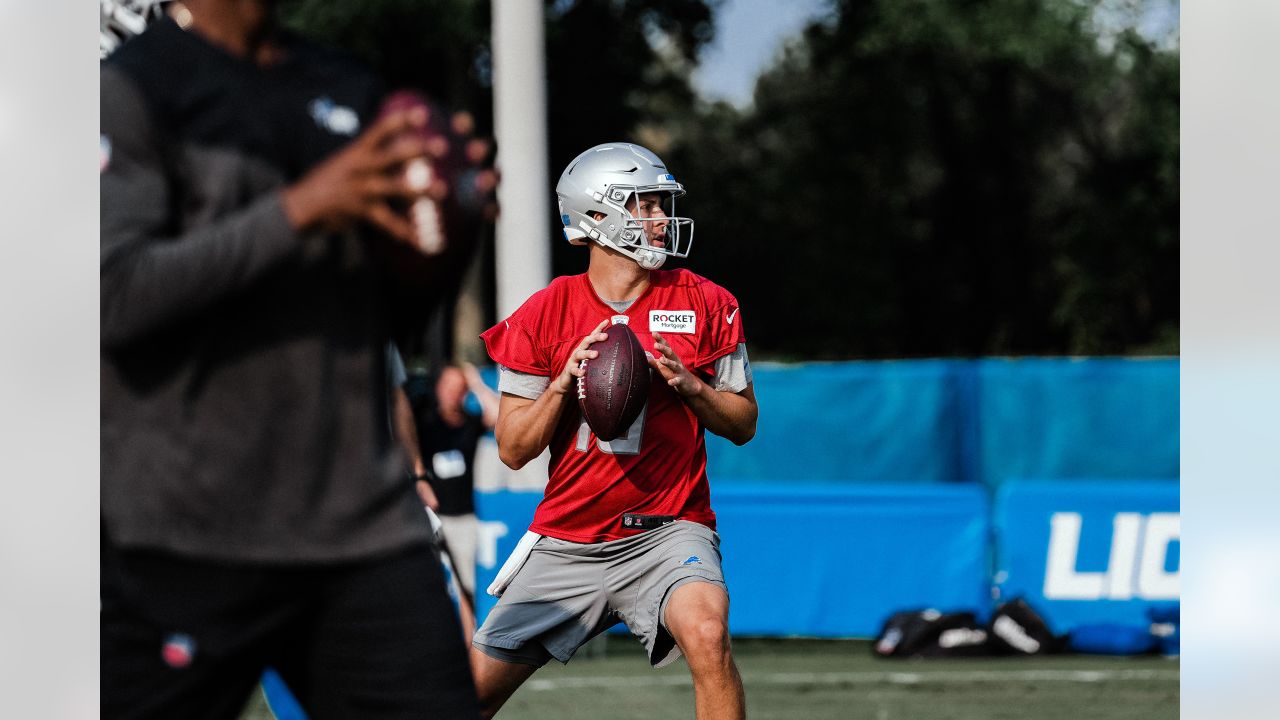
448 431
255 508
405 427
625 530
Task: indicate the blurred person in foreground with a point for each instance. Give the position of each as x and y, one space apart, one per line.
625 530
448 432
255 506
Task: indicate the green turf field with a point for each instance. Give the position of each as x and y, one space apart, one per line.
830 679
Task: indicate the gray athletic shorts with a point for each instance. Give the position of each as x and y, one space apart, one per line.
567 593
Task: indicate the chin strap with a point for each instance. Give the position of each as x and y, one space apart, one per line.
650 259
646 258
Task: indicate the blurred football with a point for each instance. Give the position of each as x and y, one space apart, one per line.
422 174
450 216
615 387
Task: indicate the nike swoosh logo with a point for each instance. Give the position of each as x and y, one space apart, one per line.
729 318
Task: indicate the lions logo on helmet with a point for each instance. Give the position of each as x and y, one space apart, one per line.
600 200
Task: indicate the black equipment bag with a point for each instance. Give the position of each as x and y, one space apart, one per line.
930 633
1017 629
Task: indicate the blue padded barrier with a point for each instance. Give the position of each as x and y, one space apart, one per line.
1088 552
816 559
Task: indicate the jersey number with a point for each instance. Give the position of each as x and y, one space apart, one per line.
628 444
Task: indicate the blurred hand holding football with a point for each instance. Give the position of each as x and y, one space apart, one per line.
354 184
449 179
411 174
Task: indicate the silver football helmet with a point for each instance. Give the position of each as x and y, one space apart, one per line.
122 19
600 200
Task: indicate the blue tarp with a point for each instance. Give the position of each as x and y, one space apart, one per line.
851 422
1058 419
935 421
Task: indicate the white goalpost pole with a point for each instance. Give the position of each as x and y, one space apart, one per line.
523 250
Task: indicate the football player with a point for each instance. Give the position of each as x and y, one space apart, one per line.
625 530
254 510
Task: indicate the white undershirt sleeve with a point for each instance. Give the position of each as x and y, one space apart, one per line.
733 371
521 384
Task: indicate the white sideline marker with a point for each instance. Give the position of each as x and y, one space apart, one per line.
855 678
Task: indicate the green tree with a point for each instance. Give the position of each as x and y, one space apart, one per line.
440 47
947 178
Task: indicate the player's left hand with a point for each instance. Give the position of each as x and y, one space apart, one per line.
668 364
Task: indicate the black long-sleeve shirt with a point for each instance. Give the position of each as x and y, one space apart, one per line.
243 372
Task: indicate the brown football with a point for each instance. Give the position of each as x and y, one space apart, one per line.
615 387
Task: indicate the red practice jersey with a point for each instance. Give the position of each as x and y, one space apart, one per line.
659 467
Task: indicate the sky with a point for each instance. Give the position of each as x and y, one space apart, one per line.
749 34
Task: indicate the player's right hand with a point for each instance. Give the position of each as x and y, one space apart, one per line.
573 367
356 183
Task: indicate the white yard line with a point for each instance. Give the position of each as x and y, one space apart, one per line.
855 678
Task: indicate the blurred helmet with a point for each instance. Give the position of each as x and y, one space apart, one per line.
608 179
122 19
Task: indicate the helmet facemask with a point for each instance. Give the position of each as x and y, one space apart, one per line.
638 225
